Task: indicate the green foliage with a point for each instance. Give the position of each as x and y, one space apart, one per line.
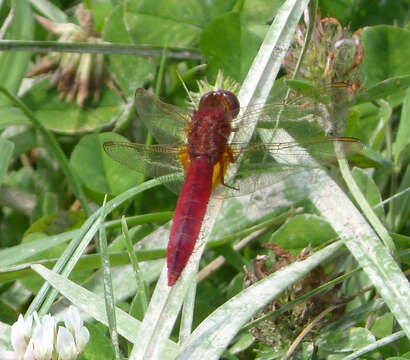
229 34
90 161
347 284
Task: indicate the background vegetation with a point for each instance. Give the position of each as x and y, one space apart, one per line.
345 300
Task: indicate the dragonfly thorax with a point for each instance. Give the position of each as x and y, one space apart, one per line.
209 133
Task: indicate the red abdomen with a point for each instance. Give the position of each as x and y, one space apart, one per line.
188 216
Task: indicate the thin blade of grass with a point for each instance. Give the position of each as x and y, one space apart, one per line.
141 295
108 288
6 151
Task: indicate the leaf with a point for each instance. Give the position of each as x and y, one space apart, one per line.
347 340
58 116
6 151
382 89
365 12
24 139
130 71
100 12
80 241
342 10
165 22
12 116
226 43
260 12
302 231
100 346
369 119
97 171
57 223
19 253
386 51
383 325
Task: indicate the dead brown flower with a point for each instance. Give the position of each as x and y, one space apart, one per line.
75 74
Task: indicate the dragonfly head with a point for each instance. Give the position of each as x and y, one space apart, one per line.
222 99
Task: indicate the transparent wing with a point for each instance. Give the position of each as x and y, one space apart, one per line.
265 164
320 148
301 120
167 123
152 160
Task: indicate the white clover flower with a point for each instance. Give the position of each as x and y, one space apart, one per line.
29 355
20 335
40 342
74 323
66 345
72 319
82 338
43 337
7 355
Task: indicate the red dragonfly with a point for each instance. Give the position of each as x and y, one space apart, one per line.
197 143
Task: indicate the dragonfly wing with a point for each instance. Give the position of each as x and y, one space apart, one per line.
265 164
300 122
322 149
251 179
167 123
299 107
152 160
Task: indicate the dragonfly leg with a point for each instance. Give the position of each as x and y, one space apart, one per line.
228 186
223 163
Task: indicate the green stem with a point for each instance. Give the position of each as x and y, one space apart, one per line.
106 48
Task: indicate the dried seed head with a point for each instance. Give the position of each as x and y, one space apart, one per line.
75 74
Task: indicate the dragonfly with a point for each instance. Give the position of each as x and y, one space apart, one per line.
197 143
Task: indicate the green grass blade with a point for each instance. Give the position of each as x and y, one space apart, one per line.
108 288
141 295
6 151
